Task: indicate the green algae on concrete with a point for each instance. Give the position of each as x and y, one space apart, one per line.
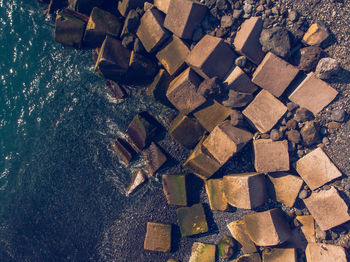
202 252
226 247
192 220
155 158
174 188
216 196
158 237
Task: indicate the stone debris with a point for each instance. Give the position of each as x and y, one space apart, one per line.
328 208
264 111
137 180
210 88
246 190
316 169
238 231
158 237
276 40
182 92
238 81
216 196
124 150
226 247
307 226
313 94
174 188
253 257
316 34
211 57
247 42
192 220
157 89
274 74
202 252
155 158
327 67
270 156
268 228
183 16
286 187
338 115
124 6
319 252
279 255
225 141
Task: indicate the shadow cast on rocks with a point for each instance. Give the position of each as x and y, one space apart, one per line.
342 77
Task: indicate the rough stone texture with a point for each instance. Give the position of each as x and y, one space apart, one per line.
238 81
274 74
225 141
216 197
307 226
210 88
316 169
226 247
124 6
264 111
137 180
131 23
202 252
155 158
246 190
276 40
268 228
192 220
309 133
327 67
174 188
328 208
158 237
254 257
286 187
239 232
308 58
236 99
313 94
151 31
124 150
280 255
157 89
173 55
211 57
162 5
183 16
319 252
247 42
182 92
275 135
270 156
303 115
316 34
338 115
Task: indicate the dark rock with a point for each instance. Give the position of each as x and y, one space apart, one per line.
210 88
327 67
131 23
198 34
221 4
138 47
308 57
291 124
293 136
237 13
237 99
338 115
226 21
333 126
276 40
155 158
115 89
310 133
128 42
84 6
241 61
303 115
275 135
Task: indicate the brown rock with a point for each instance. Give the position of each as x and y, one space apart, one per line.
303 115
292 124
319 252
309 57
137 180
313 94
238 81
210 88
328 208
333 126
246 190
309 132
316 169
216 196
264 111
270 156
211 57
316 34
182 92
158 237
124 150
239 232
202 252
275 135
254 257
247 42
286 187
307 226
293 136
174 188
280 255
274 74
237 99
225 141
154 158
267 228
162 5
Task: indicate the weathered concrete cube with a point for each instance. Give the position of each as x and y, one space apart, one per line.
183 16
155 158
158 237
316 34
124 150
182 92
113 60
69 28
268 228
274 74
316 169
238 81
216 196
247 42
225 141
186 130
286 187
239 232
100 24
131 23
124 6
247 190
211 57
264 111
212 115
202 252
141 130
115 90
84 6
280 254
319 252
151 31
201 163
307 226
137 180
157 89
173 55
253 257
328 208
140 68
313 93
162 5
174 188
270 156
192 220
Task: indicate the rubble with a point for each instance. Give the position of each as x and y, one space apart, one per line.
202 252
216 196
319 252
192 220
226 247
155 158
158 237
124 6
174 188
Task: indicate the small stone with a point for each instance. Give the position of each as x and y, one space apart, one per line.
308 57
237 99
239 81
310 133
202 252
238 231
174 188
292 124
303 115
226 21
275 135
192 220
280 254
327 67
155 158
291 106
216 196
319 252
293 136
241 61
158 237
137 180
300 153
293 15
316 34
333 126
276 40
221 4
226 247
210 88
303 194
338 115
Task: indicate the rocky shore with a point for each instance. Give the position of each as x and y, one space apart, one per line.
262 127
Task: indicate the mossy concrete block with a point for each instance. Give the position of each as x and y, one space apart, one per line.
124 150
155 158
226 247
186 130
192 220
84 6
124 6
279 255
202 252
216 196
70 27
158 237
137 180
239 232
100 24
174 188
157 89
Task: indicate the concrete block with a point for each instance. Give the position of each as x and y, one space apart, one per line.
226 247
158 237
155 158
280 255
216 196
238 81
162 5
124 150
124 6
174 188
319 252
115 90
140 68
253 257
202 252
192 220
307 226
84 6
239 232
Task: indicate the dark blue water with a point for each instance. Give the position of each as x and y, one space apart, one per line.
60 182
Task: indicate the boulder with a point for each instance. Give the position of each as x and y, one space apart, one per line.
327 67
309 133
158 237
192 220
276 40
